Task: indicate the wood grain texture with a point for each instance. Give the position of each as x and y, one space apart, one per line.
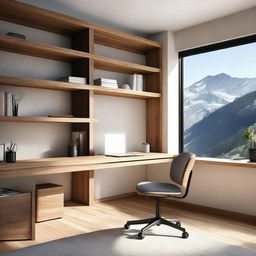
83 187
45 166
49 202
63 86
79 219
82 105
31 48
153 83
16 220
16 12
44 119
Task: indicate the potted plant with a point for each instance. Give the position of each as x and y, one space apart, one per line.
250 137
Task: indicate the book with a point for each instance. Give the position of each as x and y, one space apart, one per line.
136 82
8 104
139 83
73 79
107 80
112 83
2 104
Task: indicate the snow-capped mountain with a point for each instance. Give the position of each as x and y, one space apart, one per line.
211 93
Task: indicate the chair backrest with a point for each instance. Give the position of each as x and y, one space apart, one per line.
181 167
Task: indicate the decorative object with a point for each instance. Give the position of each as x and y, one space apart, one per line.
145 147
15 104
126 86
11 153
250 137
72 150
16 35
2 152
79 139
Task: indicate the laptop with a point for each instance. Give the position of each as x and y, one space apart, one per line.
125 154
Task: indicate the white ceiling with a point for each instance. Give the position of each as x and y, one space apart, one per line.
147 16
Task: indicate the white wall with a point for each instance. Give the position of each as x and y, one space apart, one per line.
229 27
229 188
118 116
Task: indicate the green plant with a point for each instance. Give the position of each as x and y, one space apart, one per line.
250 136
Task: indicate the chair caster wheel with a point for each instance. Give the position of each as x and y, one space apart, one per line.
178 224
126 226
185 234
140 235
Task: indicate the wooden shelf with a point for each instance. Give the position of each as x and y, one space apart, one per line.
21 46
26 47
63 86
17 12
44 119
124 93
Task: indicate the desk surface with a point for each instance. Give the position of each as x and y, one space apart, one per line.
45 166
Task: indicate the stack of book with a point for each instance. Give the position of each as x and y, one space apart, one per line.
73 79
136 82
6 103
112 83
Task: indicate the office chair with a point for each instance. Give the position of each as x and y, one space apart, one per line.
181 173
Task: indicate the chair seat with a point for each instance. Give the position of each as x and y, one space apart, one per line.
158 188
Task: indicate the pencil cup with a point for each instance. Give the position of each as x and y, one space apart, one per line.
10 157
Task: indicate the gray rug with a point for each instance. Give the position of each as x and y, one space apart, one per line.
160 241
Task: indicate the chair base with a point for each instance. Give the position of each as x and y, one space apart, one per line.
156 221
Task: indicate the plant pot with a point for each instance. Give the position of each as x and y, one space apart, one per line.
252 154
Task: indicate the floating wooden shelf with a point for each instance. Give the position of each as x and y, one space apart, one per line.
17 12
63 86
44 119
31 48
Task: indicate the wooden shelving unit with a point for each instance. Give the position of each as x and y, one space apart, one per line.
83 61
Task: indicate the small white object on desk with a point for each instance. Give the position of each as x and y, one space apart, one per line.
145 147
126 86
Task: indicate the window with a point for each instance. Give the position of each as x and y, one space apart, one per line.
218 98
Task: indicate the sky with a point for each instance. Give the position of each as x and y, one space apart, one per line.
238 61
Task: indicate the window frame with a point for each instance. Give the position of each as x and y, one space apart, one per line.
195 51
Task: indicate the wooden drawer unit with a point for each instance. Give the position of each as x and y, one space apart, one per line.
49 202
16 217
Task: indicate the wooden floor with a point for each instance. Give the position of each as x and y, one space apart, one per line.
83 219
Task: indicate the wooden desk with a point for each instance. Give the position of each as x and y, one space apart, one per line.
82 167
45 166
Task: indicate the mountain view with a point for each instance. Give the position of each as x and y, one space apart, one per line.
217 110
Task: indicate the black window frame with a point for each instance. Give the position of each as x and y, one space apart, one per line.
195 51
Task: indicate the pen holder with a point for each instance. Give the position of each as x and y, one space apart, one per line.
10 157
